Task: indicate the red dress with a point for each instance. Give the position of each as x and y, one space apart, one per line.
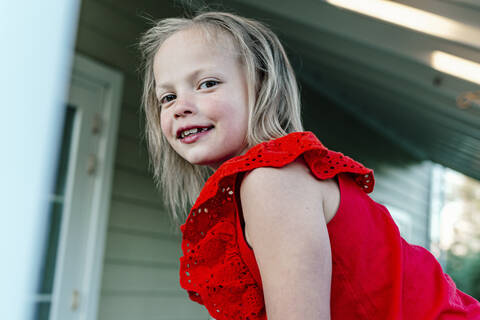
375 273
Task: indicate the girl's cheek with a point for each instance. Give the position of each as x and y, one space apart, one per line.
218 109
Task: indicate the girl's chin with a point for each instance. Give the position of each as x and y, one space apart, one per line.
212 157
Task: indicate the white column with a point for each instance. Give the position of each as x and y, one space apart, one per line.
37 42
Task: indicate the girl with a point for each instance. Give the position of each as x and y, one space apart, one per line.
283 228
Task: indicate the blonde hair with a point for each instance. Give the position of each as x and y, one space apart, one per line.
273 98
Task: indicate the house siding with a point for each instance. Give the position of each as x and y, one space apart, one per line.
141 262
140 273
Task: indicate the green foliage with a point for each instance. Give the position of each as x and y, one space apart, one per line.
465 271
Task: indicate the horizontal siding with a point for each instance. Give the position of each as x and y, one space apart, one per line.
395 190
149 307
104 49
132 155
412 176
122 26
407 189
139 279
129 245
135 187
125 214
131 124
141 262
131 96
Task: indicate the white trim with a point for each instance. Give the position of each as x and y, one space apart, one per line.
101 201
92 227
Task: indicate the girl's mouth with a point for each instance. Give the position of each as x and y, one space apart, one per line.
193 134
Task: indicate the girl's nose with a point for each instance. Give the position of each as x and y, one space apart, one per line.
184 107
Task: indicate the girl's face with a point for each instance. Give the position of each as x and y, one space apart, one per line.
201 86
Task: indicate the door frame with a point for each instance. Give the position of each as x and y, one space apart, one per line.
94 228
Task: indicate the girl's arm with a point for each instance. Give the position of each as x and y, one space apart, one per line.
285 225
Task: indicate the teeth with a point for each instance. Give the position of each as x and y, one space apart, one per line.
186 133
189 132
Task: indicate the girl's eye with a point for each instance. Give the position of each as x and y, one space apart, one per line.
208 84
167 98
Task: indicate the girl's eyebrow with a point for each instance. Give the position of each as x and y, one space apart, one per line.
191 76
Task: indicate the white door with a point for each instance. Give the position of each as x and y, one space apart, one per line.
70 278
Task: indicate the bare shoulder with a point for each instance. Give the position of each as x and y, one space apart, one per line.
293 182
283 209
294 174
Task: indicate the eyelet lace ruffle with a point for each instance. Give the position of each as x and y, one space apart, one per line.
211 269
